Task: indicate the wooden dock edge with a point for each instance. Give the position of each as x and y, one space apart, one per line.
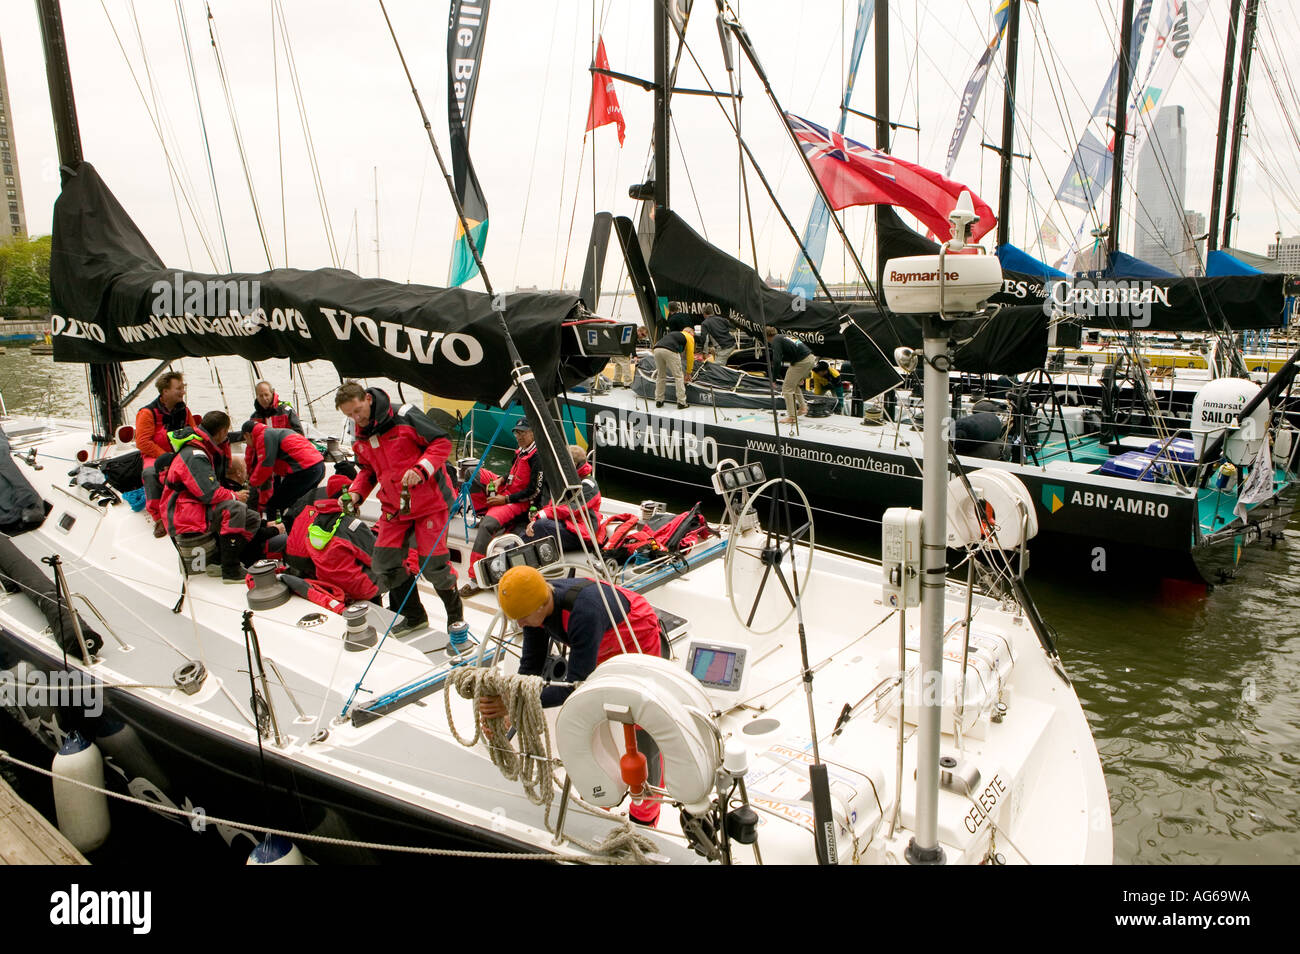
28 838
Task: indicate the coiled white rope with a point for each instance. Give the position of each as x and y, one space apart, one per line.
532 763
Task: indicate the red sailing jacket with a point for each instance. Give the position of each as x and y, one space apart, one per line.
391 444
343 560
295 548
279 414
524 482
152 423
565 515
192 484
278 452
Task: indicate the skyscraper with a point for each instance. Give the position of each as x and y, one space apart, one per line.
17 223
1286 251
1162 238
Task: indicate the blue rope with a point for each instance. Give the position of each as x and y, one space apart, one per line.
462 497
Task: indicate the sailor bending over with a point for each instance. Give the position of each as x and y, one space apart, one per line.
594 621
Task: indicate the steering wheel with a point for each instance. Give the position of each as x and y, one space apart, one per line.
788 524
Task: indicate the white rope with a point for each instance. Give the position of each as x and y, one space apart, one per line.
283 833
530 764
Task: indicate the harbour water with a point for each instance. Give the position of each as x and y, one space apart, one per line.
1194 702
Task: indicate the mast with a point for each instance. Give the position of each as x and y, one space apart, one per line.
1239 117
661 105
1221 139
103 381
882 111
1008 123
1121 124
882 76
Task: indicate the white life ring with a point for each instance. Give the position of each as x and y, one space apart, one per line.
667 702
1005 494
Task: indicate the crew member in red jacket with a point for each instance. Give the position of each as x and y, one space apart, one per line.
567 524
291 547
402 453
167 413
271 411
500 501
193 500
282 467
341 547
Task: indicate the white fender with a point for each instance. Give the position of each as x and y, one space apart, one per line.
661 698
82 813
275 850
1001 491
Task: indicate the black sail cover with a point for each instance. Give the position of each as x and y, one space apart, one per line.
1239 302
688 269
114 300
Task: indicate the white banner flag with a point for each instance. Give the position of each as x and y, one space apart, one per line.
1259 483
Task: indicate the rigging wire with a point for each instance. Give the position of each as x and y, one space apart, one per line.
158 130
300 100
239 141
153 93
564 167
532 166
203 127
279 140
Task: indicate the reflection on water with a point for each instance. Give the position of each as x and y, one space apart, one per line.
1196 714
1195 705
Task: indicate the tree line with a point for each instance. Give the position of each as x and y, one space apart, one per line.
25 273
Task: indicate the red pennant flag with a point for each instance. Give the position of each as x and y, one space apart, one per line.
854 174
604 108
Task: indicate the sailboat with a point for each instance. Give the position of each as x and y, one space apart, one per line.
1119 480
274 715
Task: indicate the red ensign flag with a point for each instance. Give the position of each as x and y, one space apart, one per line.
604 108
854 174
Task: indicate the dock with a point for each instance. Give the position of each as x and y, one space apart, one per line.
27 838
18 331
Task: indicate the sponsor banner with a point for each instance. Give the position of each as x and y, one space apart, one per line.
666 438
113 300
1090 168
466 28
970 97
1178 23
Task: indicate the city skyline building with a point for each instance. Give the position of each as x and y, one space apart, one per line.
1286 251
1162 238
16 220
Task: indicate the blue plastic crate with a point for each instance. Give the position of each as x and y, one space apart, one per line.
1180 449
1133 464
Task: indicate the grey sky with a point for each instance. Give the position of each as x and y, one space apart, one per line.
528 125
